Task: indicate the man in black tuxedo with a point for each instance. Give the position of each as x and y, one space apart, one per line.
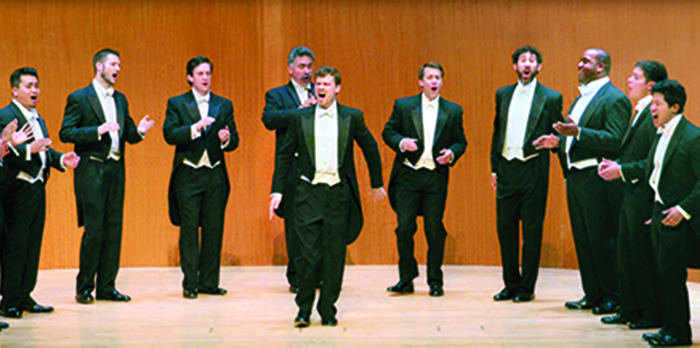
97 121
520 173
594 129
5 142
201 127
327 205
427 135
279 103
638 275
24 198
673 171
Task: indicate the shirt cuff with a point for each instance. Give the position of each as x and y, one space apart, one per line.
61 162
683 212
195 133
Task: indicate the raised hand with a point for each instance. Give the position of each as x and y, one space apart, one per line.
224 135
39 145
145 125
71 160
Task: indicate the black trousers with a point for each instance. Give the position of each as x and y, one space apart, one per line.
25 215
671 254
290 237
418 190
639 280
202 200
321 220
594 206
101 191
521 197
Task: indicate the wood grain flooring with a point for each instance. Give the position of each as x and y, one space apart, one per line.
258 312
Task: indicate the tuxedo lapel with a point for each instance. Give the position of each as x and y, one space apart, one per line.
213 107
538 101
505 107
343 133
95 104
417 117
593 105
192 108
441 120
120 113
307 128
650 158
293 93
673 142
633 128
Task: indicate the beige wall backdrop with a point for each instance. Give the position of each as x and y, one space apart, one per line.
377 45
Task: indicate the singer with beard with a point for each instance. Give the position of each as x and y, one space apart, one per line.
97 121
427 134
279 103
520 173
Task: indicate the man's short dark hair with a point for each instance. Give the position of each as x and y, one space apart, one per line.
524 49
300 51
653 71
603 57
431 65
673 92
195 62
101 55
329 70
16 76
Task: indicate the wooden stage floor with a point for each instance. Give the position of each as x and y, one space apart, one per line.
258 312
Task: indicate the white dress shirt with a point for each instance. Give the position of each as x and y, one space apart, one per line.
518 115
302 91
326 145
31 117
109 108
641 105
429 113
203 106
587 93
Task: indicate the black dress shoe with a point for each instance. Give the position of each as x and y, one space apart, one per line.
436 291
401 288
669 341
580 304
14 313
609 307
301 322
212 291
649 336
84 298
37 308
504 295
114 296
615 319
4 325
644 324
294 289
190 294
523 297
329 322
